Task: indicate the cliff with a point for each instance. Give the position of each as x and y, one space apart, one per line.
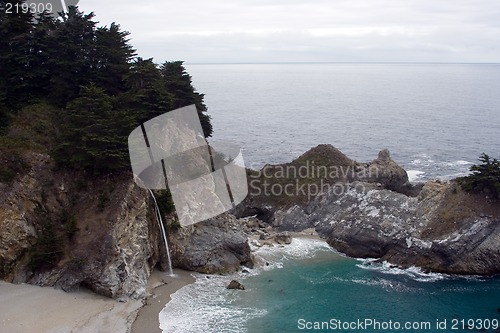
378 214
67 229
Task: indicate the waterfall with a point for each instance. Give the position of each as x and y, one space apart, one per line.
162 229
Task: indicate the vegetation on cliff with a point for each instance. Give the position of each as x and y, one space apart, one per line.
74 90
484 178
84 88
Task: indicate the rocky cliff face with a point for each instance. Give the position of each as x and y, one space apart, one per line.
218 245
62 229
374 212
442 230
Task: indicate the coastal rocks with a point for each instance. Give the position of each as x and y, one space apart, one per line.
114 250
364 221
64 230
385 171
442 230
20 204
280 194
118 262
283 238
235 285
217 245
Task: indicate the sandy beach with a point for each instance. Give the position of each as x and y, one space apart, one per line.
161 286
31 309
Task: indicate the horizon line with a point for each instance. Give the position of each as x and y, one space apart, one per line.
342 62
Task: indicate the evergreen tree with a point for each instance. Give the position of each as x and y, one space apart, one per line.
95 136
74 64
112 59
147 97
179 84
485 177
15 38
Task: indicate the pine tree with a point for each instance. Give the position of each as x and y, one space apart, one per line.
73 65
485 177
112 57
15 37
147 97
178 82
95 137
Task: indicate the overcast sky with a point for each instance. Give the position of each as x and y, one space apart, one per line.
235 31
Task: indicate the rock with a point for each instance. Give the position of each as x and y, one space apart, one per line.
440 230
283 238
256 243
386 172
217 245
235 285
110 250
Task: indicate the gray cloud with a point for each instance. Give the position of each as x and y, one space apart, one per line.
315 30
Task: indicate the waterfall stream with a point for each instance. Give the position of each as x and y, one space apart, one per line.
162 229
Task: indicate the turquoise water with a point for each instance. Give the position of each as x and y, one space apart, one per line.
436 120
332 287
308 281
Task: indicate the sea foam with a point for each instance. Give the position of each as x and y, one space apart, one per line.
212 308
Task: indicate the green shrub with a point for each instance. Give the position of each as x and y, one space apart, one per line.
484 177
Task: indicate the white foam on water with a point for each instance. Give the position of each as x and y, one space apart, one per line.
412 272
300 248
414 175
208 306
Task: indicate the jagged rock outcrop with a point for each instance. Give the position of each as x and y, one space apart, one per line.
280 194
443 229
65 229
217 245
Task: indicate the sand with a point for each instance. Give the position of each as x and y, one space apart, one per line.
161 287
31 309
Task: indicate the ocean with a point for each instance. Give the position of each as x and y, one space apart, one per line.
436 119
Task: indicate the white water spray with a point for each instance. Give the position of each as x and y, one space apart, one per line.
162 229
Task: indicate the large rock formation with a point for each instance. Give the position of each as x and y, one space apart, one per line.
443 229
62 229
101 232
371 210
217 245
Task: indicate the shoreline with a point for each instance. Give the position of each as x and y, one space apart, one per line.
160 287
45 309
28 308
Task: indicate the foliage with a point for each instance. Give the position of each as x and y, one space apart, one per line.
95 135
12 164
165 202
91 76
484 178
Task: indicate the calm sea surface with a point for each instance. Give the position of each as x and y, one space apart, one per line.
435 119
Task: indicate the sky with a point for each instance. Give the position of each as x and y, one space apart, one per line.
268 31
